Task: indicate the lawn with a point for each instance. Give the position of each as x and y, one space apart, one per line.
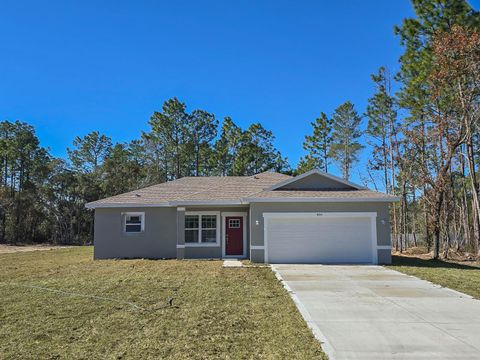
60 304
461 277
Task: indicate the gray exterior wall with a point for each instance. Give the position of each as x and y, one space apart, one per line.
384 256
211 252
180 233
157 241
382 210
257 256
315 182
164 229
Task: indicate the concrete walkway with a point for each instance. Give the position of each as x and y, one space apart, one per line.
369 312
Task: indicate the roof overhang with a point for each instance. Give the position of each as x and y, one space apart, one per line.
124 205
207 202
168 204
245 201
322 200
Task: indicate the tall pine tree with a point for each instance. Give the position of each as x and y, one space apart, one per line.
345 146
382 129
318 146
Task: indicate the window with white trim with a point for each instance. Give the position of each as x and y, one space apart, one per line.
134 222
201 229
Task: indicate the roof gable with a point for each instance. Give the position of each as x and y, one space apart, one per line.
316 180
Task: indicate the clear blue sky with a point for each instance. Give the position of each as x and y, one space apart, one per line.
71 67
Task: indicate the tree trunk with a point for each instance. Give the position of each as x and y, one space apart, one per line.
385 163
427 225
438 214
475 197
197 161
414 225
464 205
405 214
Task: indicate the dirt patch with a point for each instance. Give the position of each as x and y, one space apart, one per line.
8 249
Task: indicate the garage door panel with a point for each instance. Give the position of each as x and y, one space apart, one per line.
319 240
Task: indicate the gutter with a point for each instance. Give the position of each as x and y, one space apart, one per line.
92 205
322 200
207 202
243 201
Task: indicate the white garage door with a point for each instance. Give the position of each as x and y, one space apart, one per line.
320 238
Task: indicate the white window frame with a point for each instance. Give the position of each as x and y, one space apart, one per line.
200 243
142 222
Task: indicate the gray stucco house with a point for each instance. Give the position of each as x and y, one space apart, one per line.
269 217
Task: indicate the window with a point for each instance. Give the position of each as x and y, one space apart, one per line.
201 229
134 222
191 228
234 223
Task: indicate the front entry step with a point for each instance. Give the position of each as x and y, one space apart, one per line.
232 263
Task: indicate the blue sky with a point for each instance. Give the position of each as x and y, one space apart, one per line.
71 67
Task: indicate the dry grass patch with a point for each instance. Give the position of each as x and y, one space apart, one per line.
61 304
454 275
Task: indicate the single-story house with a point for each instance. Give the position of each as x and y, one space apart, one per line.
269 217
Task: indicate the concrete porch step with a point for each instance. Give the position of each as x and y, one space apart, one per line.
232 263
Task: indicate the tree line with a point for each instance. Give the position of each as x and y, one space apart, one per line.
42 198
423 137
420 130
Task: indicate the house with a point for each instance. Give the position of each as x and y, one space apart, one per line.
269 217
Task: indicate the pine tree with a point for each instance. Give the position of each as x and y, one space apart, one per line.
89 151
170 131
257 152
225 149
345 147
431 122
317 145
202 129
382 129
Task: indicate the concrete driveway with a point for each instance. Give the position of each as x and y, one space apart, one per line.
369 312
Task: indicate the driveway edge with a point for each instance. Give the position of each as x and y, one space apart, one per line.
317 333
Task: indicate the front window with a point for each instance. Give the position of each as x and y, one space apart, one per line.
192 225
201 229
134 222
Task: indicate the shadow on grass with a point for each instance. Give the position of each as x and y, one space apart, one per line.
430 263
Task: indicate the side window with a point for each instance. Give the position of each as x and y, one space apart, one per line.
134 222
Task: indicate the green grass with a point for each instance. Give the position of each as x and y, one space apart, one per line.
217 313
464 278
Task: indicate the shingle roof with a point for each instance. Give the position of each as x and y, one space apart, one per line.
229 189
323 195
213 188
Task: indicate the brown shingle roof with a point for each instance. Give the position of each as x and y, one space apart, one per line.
232 189
323 195
213 188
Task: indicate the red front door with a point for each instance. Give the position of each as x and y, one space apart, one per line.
234 235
